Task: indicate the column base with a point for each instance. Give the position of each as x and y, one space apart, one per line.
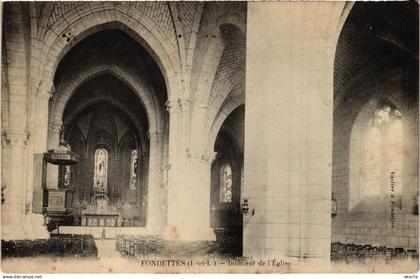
35 228
13 232
32 229
188 233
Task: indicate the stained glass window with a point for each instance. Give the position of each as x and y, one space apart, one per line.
133 169
100 178
382 152
226 183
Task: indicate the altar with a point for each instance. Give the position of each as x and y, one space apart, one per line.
100 220
99 213
105 232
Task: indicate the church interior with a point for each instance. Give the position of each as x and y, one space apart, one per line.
150 124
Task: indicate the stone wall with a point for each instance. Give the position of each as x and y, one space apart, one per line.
372 223
370 66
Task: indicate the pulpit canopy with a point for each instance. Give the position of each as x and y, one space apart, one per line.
61 155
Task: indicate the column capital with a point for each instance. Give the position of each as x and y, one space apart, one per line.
199 102
206 157
51 90
209 156
16 138
56 127
154 136
44 90
179 105
183 104
166 166
172 106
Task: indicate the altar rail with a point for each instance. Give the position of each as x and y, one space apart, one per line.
103 232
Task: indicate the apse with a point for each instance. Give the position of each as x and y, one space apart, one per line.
109 97
107 128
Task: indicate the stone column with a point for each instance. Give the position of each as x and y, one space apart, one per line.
200 171
188 183
53 142
198 133
288 128
13 210
143 182
155 218
173 195
184 111
39 129
16 137
190 212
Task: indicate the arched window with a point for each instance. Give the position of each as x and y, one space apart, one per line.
376 153
133 169
226 183
100 178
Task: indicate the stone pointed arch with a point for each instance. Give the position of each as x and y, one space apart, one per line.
63 36
144 93
235 85
212 54
231 103
206 109
140 132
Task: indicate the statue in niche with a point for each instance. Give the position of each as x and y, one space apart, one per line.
67 176
133 169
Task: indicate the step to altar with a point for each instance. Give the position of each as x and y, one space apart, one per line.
103 232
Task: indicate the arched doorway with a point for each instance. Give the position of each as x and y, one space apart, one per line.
109 98
227 182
